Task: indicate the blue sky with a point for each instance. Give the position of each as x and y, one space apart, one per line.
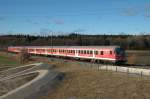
84 16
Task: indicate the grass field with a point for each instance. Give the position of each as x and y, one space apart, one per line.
82 82
6 59
138 57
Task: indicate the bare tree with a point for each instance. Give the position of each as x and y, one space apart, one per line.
23 56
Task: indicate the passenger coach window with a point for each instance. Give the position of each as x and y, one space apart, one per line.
96 52
102 52
110 52
79 52
91 52
87 52
73 51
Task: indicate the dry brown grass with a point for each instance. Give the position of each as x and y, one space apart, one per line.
132 59
83 83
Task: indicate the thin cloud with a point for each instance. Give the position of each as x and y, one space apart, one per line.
147 7
147 11
59 21
147 15
130 12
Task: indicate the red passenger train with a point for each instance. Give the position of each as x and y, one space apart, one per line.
114 54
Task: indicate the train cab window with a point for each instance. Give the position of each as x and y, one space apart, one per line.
120 51
102 52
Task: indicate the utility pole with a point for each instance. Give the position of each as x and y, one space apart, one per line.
52 42
51 39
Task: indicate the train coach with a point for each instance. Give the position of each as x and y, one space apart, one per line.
113 54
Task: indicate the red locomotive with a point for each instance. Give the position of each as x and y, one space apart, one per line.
114 54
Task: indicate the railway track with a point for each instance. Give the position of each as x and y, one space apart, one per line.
142 66
66 59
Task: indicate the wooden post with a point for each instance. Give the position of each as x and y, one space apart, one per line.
128 71
98 66
141 73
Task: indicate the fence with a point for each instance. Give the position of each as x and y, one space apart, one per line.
129 70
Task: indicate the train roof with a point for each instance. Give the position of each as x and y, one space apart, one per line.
97 47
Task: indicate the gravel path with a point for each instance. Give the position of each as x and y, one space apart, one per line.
8 85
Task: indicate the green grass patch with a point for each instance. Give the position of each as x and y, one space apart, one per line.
4 60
